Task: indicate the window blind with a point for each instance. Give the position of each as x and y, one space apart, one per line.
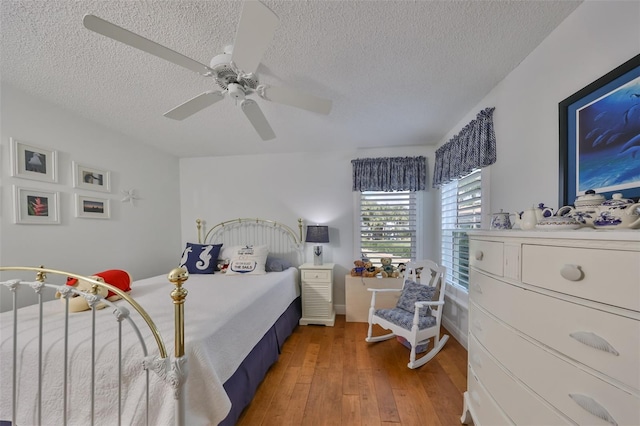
388 225
461 210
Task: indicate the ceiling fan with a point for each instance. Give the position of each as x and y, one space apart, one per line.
234 70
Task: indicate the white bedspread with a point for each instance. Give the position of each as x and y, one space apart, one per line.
225 317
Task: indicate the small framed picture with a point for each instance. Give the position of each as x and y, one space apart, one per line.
32 162
92 207
90 178
35 206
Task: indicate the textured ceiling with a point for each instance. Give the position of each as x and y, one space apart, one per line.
399 72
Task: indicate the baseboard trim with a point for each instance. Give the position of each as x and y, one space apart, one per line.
456 333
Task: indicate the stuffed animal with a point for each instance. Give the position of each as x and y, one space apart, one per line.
115 277
358 269
388 270
370 270
223 265
401 268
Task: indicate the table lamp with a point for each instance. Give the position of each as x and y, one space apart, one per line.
317 234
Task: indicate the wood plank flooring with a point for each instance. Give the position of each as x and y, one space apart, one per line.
331 376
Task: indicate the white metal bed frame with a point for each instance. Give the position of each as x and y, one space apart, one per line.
172 371
282 241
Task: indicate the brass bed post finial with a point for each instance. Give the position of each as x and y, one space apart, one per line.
199 226
41 275
178 276
300 227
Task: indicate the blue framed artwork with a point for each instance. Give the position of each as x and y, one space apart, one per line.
600 136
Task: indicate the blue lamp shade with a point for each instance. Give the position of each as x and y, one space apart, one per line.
317 234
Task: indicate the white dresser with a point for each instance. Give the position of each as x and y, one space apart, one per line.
554 328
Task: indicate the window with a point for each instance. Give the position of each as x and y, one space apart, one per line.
461 210
388 222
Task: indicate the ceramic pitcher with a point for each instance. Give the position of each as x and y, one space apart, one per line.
500 220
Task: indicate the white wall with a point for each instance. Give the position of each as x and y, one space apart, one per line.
143 238
596 38
285 187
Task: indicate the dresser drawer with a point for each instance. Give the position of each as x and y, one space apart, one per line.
486 256
553 322
316 275
519 403
607 276
483 408
556 380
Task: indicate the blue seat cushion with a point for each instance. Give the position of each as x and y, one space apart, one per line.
404 319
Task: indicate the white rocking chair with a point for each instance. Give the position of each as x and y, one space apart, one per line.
418 313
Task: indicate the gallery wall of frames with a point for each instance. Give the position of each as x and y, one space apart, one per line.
35 204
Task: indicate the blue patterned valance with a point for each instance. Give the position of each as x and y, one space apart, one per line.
390 174
474 147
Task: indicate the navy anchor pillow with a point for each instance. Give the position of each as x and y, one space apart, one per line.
200 258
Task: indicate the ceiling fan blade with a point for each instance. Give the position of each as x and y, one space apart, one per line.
115 32
297 99
257 119
194 105
255 32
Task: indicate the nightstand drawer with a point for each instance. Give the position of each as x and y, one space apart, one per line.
486 256
606 276
317 276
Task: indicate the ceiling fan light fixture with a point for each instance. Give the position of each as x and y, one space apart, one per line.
236 91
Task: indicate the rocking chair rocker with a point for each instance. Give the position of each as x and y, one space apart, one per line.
418 313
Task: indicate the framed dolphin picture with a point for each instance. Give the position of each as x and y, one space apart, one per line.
600 136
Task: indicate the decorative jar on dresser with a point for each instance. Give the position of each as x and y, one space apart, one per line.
554 328
316 283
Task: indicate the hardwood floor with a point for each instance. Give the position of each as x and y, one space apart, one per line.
331 376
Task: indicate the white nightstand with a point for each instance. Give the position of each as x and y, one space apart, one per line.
316 282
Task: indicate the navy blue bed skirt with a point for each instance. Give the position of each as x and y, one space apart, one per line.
242 385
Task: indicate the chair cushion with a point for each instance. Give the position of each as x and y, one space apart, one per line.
404 319
413 292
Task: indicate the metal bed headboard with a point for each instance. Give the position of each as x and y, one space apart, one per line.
282 240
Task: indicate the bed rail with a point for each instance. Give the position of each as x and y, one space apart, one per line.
171 371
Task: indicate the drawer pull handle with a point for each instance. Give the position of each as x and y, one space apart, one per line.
591 406
591 339
477 325
476 287
479 254
571 272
